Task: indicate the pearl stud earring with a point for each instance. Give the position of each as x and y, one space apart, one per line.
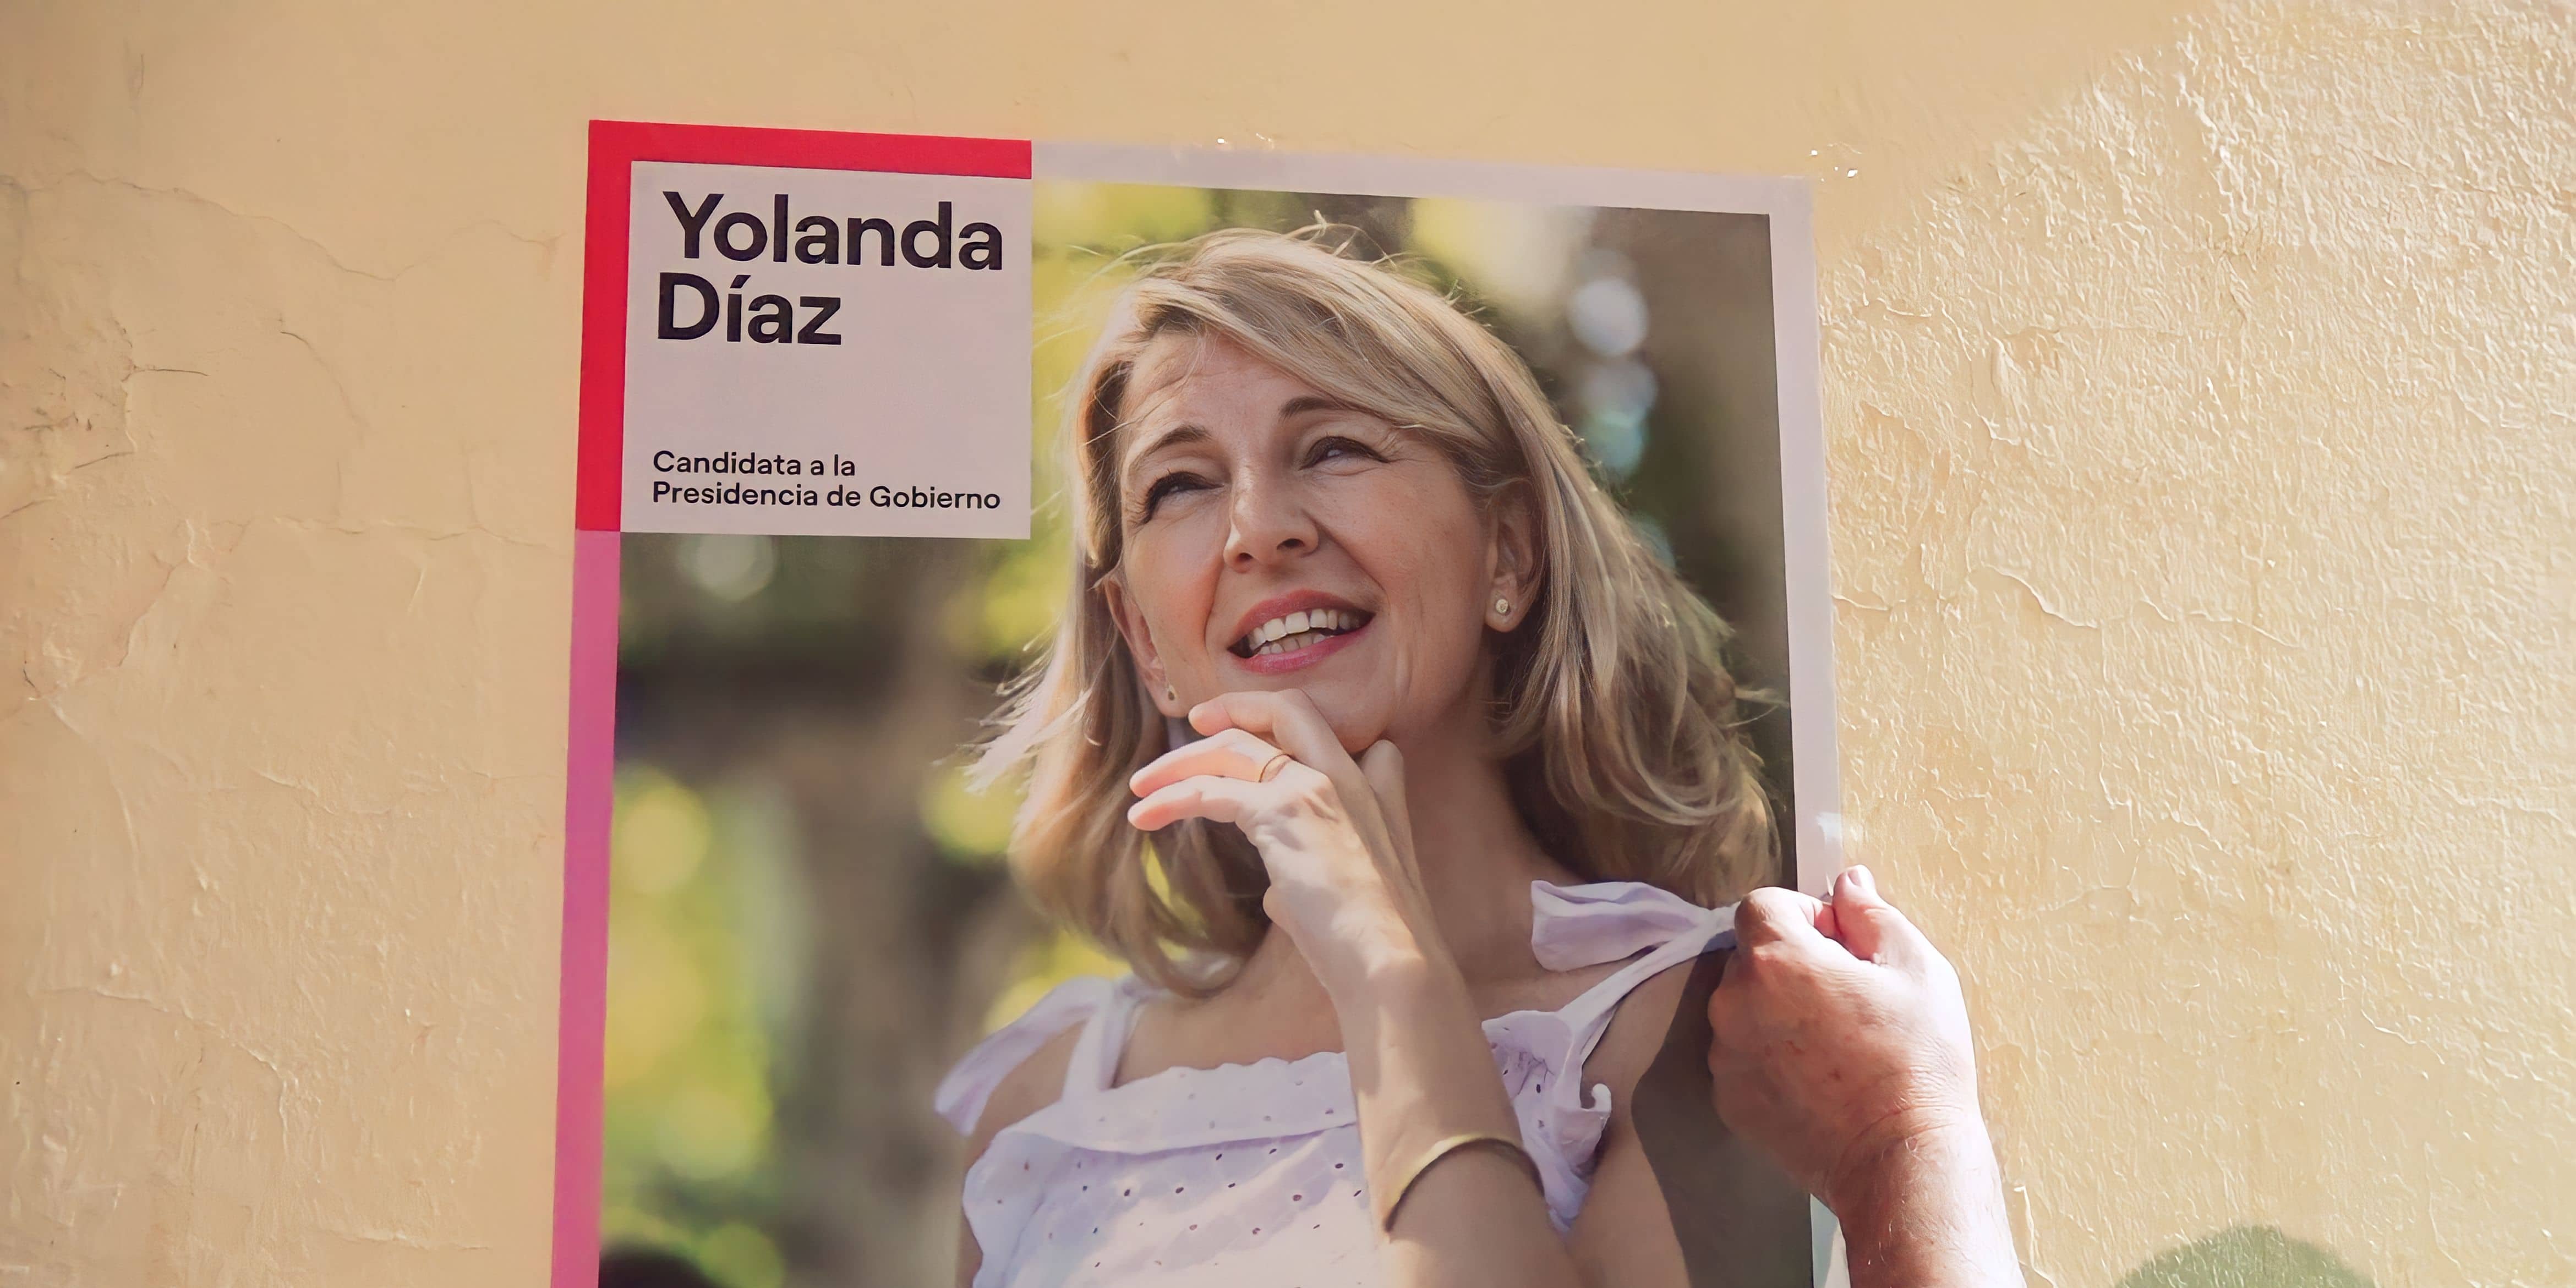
1502 607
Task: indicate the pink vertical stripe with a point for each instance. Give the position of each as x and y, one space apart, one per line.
588 801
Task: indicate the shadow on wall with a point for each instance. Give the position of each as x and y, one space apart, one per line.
2248 1256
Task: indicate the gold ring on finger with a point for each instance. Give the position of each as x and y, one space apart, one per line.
1270 768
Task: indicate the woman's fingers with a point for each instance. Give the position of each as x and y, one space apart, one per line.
1286 717
1232 753
1213 797
1246 732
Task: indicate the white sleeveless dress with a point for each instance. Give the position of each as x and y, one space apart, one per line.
1248 1175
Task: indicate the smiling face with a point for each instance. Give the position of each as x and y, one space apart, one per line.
1274 538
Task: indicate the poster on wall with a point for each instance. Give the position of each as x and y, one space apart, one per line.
1053 623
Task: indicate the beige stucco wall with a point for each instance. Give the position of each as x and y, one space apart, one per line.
2199 388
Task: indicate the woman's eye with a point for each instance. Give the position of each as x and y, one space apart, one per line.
1326 449
1169 485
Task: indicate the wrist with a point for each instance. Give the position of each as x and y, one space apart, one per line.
1422 1068
1925 1207
1382 964
1402 981
1892 1167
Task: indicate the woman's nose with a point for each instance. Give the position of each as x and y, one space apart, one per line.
1269 523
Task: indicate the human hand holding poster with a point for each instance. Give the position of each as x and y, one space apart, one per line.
1409 641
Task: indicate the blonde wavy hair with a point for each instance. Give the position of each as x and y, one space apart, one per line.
1616 715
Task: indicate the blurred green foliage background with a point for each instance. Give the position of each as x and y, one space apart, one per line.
810 919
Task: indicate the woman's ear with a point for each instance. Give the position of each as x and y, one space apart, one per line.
1140 646
1514 557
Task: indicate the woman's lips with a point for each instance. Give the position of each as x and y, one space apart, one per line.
1288 628
1298 659
1268 611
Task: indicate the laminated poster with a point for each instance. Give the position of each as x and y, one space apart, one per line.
932 488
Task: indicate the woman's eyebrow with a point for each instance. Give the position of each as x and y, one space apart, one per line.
1304 403
1177 436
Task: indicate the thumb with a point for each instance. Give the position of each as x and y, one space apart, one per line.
1870 926
1774 913
1383 766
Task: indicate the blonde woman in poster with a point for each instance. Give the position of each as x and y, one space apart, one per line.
1404 775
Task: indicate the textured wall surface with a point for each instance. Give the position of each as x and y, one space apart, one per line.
2201 394
2205 535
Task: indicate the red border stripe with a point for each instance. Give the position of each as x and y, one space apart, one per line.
615 146
602 451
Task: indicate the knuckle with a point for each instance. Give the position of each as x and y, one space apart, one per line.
1721 1071
1724 1013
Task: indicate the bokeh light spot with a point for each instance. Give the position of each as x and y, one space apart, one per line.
742 1257
710 1131
731 568
1608 316
659 838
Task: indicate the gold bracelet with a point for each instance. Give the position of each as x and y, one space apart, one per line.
1443 1149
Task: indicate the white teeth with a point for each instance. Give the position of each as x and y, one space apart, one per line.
1269 636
